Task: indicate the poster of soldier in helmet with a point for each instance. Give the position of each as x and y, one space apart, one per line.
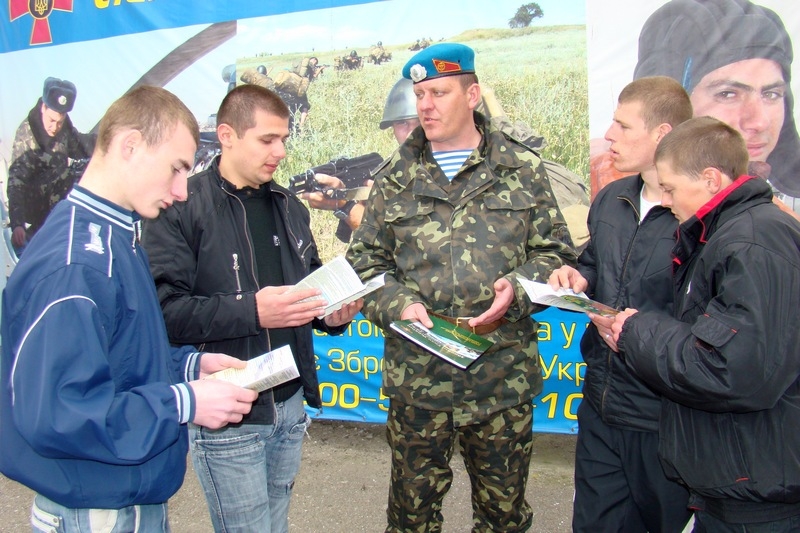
552 80
537 75
335 70
733 57
341 111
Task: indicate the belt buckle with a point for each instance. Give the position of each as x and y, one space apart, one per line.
466 320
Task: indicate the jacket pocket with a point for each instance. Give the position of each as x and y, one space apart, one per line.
511 200
404 212
507 223
705 451
712 331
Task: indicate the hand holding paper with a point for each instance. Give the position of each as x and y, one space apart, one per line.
542 293
339 284
263 372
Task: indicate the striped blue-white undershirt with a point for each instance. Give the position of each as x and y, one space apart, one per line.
450 161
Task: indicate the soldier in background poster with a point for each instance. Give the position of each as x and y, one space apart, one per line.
48 157
734 59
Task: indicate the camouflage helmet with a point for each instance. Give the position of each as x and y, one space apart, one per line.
353 53
401 104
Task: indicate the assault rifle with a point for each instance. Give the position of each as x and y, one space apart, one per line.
353 171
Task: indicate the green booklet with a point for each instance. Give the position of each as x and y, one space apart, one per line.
456 345
542 293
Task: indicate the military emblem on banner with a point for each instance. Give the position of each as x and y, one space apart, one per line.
40 11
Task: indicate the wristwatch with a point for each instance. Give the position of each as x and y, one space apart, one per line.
343 212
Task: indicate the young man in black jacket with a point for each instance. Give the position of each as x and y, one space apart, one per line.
223 262
726 359
619 483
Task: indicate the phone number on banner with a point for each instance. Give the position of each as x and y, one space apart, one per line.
349 368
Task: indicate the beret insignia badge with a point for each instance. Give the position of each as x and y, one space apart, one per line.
418 73
446 66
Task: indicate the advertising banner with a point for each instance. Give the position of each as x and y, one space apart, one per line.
555 76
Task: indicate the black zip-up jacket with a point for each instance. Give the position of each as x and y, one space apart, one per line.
203 264
728 362
627 264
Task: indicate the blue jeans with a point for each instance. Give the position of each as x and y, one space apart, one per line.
48 516
247 472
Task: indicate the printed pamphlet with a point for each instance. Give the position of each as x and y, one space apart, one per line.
263 372
542 293
339 284
456 345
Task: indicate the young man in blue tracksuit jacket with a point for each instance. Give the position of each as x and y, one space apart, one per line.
94 402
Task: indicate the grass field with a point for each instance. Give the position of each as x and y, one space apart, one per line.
538 74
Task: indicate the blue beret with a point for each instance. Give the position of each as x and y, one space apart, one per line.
59 95
444 59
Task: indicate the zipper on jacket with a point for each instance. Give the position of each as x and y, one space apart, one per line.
137 235
236 272
628 251
236 267
246 231
610 355
298 244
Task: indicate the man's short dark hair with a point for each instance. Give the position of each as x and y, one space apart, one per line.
467 80
238 108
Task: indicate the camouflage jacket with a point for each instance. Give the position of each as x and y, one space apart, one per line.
43 169
445 244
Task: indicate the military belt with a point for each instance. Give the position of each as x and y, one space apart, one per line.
462 322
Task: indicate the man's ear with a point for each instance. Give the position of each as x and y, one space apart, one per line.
714 180
225 134
474 95
130 143
662 130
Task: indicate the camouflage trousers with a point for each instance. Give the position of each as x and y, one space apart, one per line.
497 456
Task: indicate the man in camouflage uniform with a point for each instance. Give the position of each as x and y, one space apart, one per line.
310 68
353 61
47 158
378 54
452 239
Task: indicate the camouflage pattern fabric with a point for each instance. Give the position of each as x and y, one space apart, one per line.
38 179
307 70
254 77
497 452
291 83
569 188
378 54
444 245
351 63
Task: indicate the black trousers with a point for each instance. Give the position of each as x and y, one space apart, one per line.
619 483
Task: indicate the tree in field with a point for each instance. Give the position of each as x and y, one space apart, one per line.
525 15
